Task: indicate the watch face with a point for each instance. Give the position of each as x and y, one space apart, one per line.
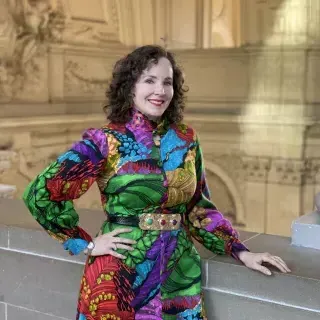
90 245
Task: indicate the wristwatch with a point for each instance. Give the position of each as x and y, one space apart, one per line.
89 248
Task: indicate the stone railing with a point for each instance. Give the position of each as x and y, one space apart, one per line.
231 290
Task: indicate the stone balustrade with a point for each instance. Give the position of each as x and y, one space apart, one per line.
39 280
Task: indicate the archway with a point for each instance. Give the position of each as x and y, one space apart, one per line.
220 176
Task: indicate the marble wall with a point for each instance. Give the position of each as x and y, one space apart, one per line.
252 72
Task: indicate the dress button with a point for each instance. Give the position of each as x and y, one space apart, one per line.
174 222
163 222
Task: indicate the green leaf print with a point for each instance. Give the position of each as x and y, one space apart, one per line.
41 182
129 180
52 170
135 192
42 194
144 240
43 203
68 218
67 221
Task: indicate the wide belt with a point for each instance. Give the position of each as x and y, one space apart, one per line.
149 221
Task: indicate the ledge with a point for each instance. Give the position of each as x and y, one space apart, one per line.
280 296
227 284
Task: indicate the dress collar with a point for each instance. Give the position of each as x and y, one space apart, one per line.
140 121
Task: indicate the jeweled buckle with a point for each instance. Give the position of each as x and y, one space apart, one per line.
156 221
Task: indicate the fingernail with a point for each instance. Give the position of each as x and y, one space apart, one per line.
269 273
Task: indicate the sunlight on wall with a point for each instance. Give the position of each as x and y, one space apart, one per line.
272 116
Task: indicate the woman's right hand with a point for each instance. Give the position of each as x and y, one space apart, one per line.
108 243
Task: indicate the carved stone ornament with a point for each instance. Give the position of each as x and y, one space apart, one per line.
256 169
84 84
287 171
281 171
92 31
7 158
29 26
312 171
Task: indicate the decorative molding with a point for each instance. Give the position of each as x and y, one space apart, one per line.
287 171
270 170
281 171
87 33
76 79
30 26
312 172
80 30
256 169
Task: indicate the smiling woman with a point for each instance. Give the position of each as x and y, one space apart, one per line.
153 91
147 73
150 172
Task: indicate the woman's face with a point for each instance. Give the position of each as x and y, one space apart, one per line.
154 89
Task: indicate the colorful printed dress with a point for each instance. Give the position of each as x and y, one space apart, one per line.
140 167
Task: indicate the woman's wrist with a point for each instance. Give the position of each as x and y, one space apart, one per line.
243 254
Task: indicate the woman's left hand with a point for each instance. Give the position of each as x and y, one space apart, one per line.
254 261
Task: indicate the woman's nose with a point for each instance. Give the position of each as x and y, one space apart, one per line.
159 89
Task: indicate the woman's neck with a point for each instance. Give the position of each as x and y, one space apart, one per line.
149 117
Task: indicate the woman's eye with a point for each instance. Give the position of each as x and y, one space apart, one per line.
168 83
149 81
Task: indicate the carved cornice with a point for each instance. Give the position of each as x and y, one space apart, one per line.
312 172
256 169
281 171
287 171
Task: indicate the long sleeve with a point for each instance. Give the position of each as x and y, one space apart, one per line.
49 197
206 224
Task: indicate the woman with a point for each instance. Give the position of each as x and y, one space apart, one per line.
149 168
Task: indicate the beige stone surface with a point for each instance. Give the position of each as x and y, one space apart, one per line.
253 76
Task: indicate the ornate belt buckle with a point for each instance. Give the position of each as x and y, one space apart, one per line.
156 221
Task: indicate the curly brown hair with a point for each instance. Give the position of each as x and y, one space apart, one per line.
126 73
